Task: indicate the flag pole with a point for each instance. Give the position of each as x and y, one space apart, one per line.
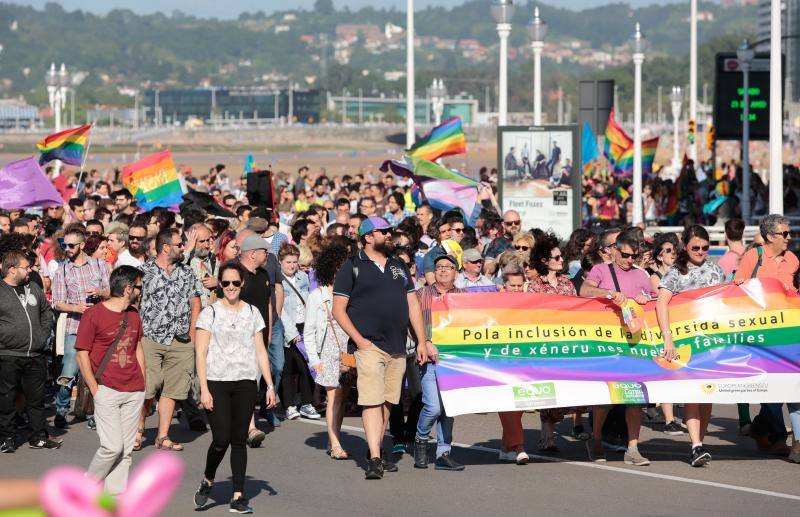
83 162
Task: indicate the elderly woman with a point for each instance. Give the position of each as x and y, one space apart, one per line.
692 270
325 341
548 260
522 243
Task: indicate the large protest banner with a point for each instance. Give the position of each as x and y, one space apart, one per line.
504 351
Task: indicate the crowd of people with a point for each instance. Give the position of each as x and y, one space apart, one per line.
319 304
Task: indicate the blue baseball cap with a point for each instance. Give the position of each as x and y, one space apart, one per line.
371 224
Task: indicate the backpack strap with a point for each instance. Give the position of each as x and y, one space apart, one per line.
614 277
760 252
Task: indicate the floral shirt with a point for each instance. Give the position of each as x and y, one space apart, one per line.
563 286
166 307
697 277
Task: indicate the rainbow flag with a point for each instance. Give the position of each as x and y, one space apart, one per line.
617 141
421 171
446 195
502 352
624 165
67 146
153 181
444 140
623 194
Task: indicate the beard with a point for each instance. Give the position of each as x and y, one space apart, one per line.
201 253
385 248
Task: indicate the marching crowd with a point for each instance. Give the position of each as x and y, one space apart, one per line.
267 314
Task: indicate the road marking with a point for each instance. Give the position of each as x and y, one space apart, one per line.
599 466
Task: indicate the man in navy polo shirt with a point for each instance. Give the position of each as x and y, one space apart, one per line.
373 302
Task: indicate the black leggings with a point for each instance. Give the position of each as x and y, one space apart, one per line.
295 365
234 402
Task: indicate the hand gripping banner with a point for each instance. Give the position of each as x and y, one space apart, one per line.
509 351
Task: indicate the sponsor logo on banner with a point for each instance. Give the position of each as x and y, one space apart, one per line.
627 392
742 387
534 395
709 388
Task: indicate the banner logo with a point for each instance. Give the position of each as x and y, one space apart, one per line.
534 395
627 392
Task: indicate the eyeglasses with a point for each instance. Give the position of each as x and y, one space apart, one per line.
235 283
521 248
699 248
512 223
72 245
785 234
445 268
136 238
457 230
557 257
668 251
633 256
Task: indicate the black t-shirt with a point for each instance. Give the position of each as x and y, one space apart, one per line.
273 269
378 301
257 291
36 278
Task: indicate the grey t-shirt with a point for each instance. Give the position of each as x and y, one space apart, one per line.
705 275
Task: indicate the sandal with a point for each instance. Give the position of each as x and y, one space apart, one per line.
254 438
137 442
172 446
337 453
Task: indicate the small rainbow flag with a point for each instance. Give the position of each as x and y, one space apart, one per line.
617 141
154 181
67 146
624 165
444 140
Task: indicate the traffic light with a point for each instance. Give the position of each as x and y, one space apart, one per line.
711 136
691 132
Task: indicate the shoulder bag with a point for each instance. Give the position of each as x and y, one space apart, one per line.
84 404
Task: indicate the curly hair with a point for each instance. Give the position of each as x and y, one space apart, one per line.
327 264
93 242
540 254
577 241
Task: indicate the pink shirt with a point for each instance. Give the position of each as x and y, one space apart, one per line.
730 261
631 282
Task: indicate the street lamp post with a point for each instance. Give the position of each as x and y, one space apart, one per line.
693 75
57 87
638 45
503 11
676 99
410 101
438 93
537 29
745 54
775 111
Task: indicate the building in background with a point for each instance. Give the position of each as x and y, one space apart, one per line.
17 114
354 109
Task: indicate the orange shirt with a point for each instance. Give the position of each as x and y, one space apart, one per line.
770 267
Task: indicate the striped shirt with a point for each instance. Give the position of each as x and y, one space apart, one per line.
426 296
71 283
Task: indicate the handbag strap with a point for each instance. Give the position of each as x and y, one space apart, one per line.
330 324
614 277
122 326
291 284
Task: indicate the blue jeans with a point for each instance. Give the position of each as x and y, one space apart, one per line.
275 350
66 380
433 412
794 416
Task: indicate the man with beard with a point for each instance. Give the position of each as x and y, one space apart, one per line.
135 253
25 324
79 282
373 302
202 260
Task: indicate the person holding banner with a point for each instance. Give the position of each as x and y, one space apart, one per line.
617 282
692 270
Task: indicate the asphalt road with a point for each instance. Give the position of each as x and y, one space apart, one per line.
290 475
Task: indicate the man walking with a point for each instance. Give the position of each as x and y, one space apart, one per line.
373 302
25 324
111 360
432 413
80 282
169 309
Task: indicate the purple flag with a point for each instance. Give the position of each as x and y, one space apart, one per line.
23 184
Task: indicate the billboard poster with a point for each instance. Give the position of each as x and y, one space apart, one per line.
539 176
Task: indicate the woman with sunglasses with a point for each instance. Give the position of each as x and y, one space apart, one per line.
664 252
692 270
230 354
522 243
548 261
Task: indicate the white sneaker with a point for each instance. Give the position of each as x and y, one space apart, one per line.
522 458
510 456
308 411
292 413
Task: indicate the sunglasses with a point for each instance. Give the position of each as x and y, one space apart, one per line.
521 248
699 248
235 283
72 245
557 257
668 251
479 261
457 230
384 231
633 256
512 223
785 234
135 238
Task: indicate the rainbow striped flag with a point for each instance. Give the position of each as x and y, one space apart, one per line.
444 140
624 165
67 146
153 181
617 141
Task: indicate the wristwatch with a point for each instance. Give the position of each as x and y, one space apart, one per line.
270 388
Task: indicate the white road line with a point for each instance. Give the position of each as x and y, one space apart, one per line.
599 466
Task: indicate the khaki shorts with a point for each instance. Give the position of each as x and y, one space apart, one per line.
168 368
380 376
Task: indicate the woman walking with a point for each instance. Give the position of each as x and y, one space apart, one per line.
692 270
325 340
230 353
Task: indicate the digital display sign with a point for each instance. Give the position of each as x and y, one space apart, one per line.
729 97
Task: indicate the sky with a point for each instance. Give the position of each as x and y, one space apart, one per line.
232 8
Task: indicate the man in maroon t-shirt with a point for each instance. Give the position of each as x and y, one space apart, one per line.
111 360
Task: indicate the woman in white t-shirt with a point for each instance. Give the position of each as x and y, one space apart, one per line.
230 355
